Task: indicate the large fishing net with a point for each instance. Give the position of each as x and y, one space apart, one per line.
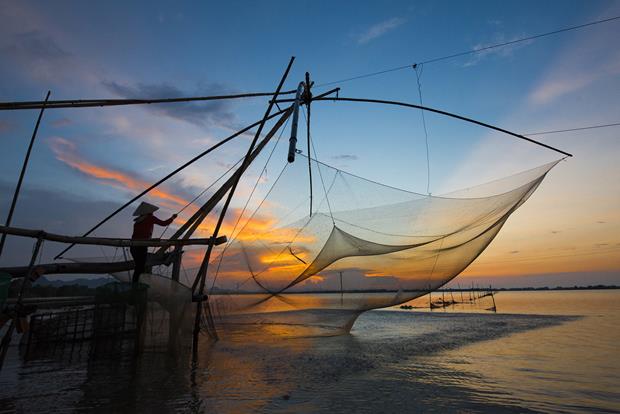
364 246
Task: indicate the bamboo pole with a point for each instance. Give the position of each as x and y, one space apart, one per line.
202 272
106 241
452 115
341 290
23 172
85 268
164 179
322 95
308 100
6 340
192 224
292 142
86 103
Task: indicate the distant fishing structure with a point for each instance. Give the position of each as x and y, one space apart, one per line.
472 302
351 219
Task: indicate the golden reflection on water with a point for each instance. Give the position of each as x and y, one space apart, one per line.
527 356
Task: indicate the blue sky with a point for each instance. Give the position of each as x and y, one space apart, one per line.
115 49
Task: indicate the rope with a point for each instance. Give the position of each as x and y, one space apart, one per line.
221 257
201 193
557 131
428 162
430 278
264 170
171 174
329 207
296 234
472 51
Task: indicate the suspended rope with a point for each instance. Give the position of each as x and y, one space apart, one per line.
320 174
263 171
221 257
329 207
418 75
472 51
192 201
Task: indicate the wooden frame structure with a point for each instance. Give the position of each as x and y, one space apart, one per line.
182 236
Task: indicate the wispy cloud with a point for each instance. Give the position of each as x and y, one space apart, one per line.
584 62
379 29
37 53
197 113
501 51
66 152
34 45
60 122
348 157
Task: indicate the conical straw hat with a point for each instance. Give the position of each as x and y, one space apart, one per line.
145 208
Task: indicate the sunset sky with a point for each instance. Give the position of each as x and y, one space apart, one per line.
88 161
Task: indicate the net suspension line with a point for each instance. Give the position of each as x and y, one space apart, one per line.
302 228
473 51
201 194
419 69
318 167
232 233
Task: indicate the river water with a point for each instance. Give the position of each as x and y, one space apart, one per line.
549 351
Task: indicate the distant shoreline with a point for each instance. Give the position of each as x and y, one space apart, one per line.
88 286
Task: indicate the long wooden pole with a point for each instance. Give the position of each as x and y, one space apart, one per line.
452 115
86 103
164 179
308 100
192 224
23 172
106 241
205 263
6 340
87 267
292 142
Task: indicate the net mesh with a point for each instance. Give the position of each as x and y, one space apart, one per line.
365 246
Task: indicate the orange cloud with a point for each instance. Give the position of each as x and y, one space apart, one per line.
315 280
66 152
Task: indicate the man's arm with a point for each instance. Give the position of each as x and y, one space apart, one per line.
164 222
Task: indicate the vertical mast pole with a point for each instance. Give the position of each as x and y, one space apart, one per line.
292 142
308 100
202 272
341 290
23 172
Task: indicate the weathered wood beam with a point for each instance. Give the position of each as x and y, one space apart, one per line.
23 171
87 103
190 226
86 268
106 241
